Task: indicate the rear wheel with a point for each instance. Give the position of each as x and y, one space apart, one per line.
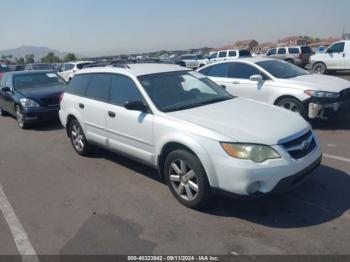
293 105
319 68
187 179
78 139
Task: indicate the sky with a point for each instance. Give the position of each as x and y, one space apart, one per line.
106 27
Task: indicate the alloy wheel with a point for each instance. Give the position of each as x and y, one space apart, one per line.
183 179
290 105
19 116
77 137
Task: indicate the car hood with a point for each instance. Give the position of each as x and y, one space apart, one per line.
320 82
243 120
42 92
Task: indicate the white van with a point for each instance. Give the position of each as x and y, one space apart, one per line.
228 54
334 58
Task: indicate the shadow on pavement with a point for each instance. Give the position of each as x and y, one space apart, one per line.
341 122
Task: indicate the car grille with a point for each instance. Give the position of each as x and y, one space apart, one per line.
301 146
51 101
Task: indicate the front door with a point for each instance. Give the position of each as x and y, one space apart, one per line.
335 56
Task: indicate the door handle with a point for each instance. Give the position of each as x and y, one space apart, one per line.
81 105
344 55
111 114
236 83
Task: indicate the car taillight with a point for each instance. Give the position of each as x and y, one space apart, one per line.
61 97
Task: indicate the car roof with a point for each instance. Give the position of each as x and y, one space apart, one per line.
78 62
29 72
136 69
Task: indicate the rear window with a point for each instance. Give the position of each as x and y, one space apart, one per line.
244 53
37 80
293 50
78 85
306 50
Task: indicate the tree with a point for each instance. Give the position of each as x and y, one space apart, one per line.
29 58
21 61
69 57
50 58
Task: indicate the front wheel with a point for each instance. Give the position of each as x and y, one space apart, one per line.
187 179
293 105
20 118
78 139
319 68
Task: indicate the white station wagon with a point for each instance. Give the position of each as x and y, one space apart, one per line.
199 137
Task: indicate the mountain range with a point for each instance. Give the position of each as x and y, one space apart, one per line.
37 51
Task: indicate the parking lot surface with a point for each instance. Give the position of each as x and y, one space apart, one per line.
107 204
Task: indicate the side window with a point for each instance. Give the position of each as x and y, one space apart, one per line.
232 53
222 54
282 51
293 50
78 85
213 55
271 51
338 47
218 70
68 67
243 71
99 87
124 89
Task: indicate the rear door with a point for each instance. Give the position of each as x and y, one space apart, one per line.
130 132
93 107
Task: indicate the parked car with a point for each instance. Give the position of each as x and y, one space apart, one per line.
31 96
334 58
298 55
68 70
283 84
16 67
37 66
3 69
192 61
228 54
198 136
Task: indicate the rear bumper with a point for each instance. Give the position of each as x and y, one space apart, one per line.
40 114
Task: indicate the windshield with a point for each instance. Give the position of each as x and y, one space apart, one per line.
37 80
281 69
182 90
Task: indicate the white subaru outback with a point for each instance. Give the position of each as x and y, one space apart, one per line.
201 138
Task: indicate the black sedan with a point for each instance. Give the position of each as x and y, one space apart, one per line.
31 96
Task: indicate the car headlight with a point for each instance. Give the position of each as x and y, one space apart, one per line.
256 153
321 94
26 102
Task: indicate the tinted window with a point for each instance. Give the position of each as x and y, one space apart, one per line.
244 53
232 53
99 87
338 47
200 57
37 80
213 55
282 51
222 54
123 89
306 50
81 65
271 51
78 85
281 69
243 71
68 67
293 50
219 70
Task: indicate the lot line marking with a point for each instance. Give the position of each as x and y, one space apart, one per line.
337 158
20 237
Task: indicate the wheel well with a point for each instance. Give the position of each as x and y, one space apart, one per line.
289 59
69 119
166 150
283 97
319 62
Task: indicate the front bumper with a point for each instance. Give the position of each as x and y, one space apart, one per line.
40 114
241 176
326 108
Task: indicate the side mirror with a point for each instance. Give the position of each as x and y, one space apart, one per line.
136 106
6 89
256 78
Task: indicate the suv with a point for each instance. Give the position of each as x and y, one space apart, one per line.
334 58
190 129
228 54
193 61
298 55
68 70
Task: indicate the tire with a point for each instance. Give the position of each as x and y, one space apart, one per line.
187 179
319 68
2 112
20 118
293 105
289 61
78 139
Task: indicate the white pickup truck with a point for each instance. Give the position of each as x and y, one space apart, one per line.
334 58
